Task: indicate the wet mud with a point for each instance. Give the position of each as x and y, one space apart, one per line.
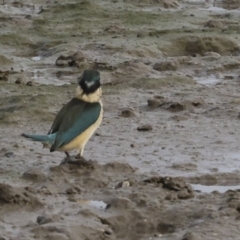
165 162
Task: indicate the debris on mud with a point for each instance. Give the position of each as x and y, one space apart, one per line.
184 190
17 196
129 112
145 127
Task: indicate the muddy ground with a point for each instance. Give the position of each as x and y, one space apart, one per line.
165 162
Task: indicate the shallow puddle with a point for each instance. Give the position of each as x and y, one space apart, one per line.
207 80
209 189
93 203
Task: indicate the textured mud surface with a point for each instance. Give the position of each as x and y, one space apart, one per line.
165 162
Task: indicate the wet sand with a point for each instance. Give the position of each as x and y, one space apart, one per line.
165 162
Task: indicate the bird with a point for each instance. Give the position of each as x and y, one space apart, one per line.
77 120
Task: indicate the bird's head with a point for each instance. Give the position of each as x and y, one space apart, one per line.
89 81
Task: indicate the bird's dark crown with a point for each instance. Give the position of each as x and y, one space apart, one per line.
89 81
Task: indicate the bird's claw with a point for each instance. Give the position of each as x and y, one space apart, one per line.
73 160
65 160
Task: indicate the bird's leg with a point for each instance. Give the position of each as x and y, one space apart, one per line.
79 156
67 158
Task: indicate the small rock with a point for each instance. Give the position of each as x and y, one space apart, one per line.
166 66
78 57
211 56
156 101
127 113
171 197
70 191
114 29
164 228
228 77
189 236
9 154
141 34
214 24
145 127
30 83
175 107
18 81
108 231
120 203
170 3
179 118
43 220
71 60
184 59
122 185
184 194
64 61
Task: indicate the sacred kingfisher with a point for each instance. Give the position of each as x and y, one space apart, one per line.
77 121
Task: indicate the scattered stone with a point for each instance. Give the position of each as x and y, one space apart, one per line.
4 75
120 203
145 127
71 60
30 83
211 56
184 190
129 112
185 166
186 105
190 236
166 66
214 24
175 107
141 34
185 194
123 185
18 81
228 77
9 154
165 228
170 3
43 220
115 29
176 183
156 101
179 118
71 191
104 66
171 197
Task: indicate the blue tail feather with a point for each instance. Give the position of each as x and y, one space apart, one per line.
41 138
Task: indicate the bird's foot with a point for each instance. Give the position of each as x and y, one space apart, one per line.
78 157
66 160
78 160
81 162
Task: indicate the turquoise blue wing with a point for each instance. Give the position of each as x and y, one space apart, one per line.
64 111
77 120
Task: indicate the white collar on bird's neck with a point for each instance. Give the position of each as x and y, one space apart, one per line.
91 98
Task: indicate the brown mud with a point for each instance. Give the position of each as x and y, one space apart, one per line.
165 162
